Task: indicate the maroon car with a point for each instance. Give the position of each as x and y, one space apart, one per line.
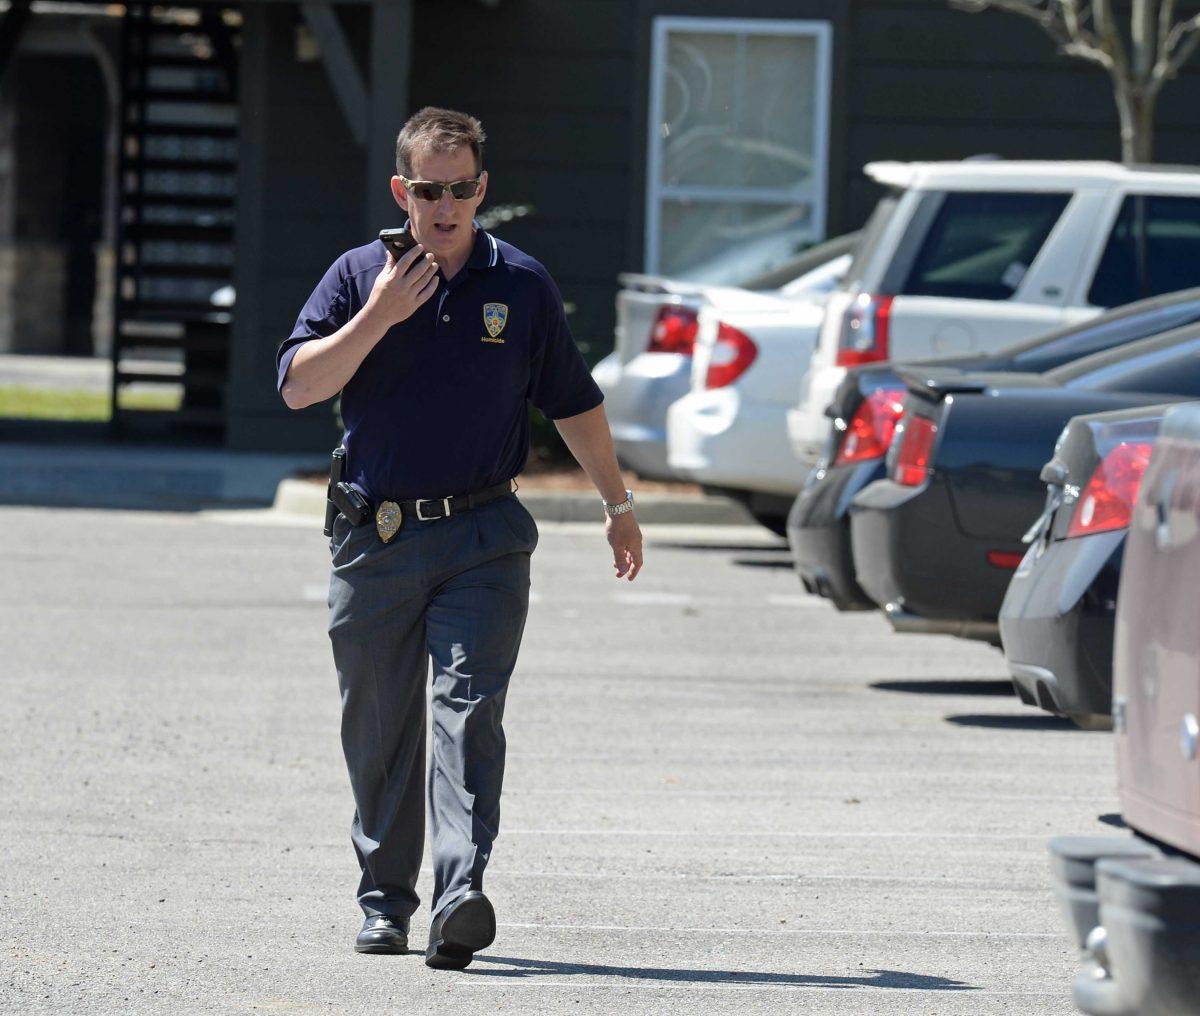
1134 901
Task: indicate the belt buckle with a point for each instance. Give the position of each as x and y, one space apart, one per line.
433 500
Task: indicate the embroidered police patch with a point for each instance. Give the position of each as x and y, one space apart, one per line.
494 317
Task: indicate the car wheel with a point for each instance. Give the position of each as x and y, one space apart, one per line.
1091 721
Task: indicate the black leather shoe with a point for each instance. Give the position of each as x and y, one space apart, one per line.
459 931
383 934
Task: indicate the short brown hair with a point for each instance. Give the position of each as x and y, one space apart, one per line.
441 130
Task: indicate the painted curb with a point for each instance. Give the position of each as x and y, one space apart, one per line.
302 497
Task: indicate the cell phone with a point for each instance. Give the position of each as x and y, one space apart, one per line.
398 241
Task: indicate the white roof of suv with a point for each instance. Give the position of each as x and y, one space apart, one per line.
1004 175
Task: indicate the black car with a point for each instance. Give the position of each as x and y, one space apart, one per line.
869 403
1057 618
936 542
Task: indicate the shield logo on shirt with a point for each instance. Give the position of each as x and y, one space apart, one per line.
494 317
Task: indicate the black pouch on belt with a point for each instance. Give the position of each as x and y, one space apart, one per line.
350 503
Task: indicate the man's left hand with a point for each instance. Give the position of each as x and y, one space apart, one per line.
625 537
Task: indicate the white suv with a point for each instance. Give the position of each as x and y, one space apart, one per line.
968 257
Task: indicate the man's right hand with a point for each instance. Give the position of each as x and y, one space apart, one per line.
401 288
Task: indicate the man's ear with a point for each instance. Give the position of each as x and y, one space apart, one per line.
483 182
400 192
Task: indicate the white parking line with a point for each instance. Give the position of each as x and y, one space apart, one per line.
652 599
831 932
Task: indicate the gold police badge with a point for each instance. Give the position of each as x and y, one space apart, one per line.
387 520
495 315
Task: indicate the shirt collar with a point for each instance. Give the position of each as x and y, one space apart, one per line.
486 252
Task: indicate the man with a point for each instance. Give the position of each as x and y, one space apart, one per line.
436 356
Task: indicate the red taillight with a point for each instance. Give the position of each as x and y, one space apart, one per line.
869 432
865 328
1005 559
732 353
1107 503
674 330
916 449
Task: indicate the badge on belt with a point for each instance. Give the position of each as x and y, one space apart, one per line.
387 520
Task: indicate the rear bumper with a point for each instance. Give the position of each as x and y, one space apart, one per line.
1144 909
720 439
910 556
636 400
818 531
1057 623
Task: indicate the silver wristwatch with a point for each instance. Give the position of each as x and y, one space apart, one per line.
622 507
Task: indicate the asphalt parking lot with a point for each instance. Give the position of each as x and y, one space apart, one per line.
720 793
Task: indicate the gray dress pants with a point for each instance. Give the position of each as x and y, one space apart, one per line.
454 591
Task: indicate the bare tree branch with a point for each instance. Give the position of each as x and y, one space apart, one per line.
1166 16
1154 51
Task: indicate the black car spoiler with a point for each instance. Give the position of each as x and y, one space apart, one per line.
935 383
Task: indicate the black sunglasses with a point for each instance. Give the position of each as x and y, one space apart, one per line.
426 190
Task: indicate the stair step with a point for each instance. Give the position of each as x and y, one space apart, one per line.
181 95
168 418
186 234
141 308
185 165
180 271
194 343
191 130
210 379
179 200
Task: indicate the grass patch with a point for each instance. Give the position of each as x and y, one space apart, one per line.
23 403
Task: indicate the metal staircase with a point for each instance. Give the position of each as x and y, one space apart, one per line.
173 305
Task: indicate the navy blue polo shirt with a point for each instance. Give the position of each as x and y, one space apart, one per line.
438 407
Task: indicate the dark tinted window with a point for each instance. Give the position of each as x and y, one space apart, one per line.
1106 334
980 246
1170 370
1154 248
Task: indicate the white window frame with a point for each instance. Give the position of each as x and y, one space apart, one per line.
817 194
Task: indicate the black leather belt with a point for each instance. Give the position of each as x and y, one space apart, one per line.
426 509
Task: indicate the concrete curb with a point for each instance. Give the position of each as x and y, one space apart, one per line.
302 497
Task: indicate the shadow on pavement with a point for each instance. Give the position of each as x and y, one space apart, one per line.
870 978
723 548
1111 818
947 686
763 562
1034 721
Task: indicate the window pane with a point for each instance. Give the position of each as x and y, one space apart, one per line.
1171 253
1172 244
739 110
1117 279
981 245
729 242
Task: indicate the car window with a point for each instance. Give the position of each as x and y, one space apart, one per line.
869 239
1105 334
1154 248
1168 369
980 245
